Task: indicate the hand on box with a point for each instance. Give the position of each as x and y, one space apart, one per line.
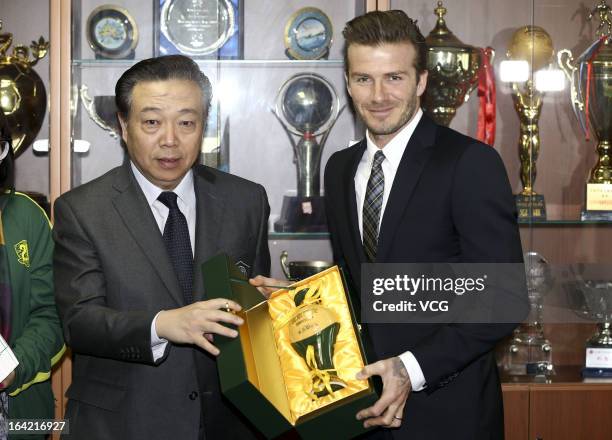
389 409
268 285
188 325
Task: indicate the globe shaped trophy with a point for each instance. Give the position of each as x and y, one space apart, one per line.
307 106
533 45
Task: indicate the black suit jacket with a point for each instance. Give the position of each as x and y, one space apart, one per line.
113 274
450 202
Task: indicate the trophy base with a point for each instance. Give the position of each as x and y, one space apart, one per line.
596 215
528 354
597 372
129 56
302 214
530 207
599 198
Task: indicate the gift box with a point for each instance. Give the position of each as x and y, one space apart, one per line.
294 362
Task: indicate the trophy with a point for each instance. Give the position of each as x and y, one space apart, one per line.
533 45
590 76
313 330
307 106
529 351
453 71
598 300
298 270
102 110
22 93
590 293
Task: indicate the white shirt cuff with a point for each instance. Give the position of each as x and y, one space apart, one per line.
417 379
158 345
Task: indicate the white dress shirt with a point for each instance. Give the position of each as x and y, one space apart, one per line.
393 151
186 201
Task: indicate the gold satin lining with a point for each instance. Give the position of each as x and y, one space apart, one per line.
261 361
1 231
347 355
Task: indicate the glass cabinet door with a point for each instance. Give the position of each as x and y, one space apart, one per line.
25 91
249 50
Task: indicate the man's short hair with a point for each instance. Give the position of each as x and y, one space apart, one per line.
380 27
170 67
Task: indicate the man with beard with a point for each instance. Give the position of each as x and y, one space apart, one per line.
415 192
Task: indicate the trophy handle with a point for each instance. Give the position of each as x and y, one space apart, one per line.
283 262
293 144
88 103
565 60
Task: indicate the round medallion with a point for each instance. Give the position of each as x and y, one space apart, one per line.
198 27
308 34
111 32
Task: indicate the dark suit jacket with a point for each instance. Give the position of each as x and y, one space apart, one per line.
113 274
450 202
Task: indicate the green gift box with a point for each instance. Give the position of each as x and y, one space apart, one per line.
257 369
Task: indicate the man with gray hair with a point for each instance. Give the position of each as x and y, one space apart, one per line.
129 246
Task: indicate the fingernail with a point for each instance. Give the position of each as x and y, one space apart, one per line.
234 334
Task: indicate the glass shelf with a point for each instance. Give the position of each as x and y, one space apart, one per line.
224 63
568 222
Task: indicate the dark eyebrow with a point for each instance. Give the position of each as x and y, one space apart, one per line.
157 109
150 109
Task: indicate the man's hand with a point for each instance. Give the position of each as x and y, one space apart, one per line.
267 285
8 381
389 409
189 324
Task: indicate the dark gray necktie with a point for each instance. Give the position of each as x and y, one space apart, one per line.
372 205
178 245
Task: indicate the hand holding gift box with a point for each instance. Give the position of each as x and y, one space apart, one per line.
295 361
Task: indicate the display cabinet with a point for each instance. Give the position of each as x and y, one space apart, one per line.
538 131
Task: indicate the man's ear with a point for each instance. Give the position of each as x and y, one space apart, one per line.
123 124
422 83
348 88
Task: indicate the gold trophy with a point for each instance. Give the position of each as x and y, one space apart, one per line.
590 77
453 71
533 45
313 330
22 93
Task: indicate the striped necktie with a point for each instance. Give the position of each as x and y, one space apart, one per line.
372 206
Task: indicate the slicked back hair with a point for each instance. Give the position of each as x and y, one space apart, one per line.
170 67
380 27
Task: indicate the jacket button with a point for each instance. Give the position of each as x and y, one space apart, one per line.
193 395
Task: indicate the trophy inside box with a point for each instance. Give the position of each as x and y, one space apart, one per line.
294 363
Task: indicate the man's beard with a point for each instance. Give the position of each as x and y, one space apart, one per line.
408 113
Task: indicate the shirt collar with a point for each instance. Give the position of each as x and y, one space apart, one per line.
184 190
394 150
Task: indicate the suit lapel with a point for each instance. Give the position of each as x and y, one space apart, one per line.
413 162
210 206
132 207
351 199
